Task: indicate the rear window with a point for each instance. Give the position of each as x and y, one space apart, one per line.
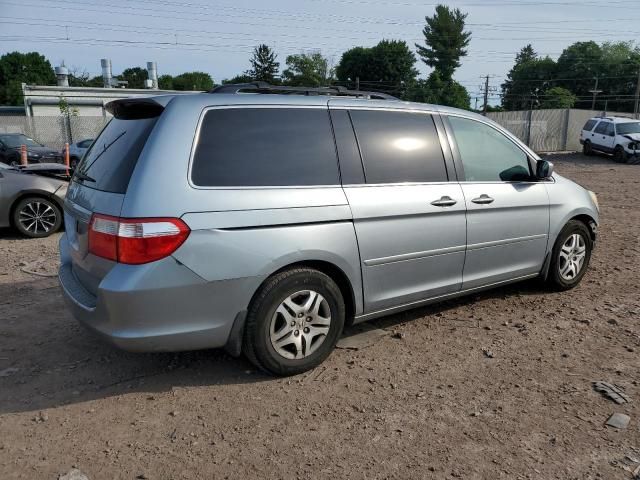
265 147
110 161
589 125
399 147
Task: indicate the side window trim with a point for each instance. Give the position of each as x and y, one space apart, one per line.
458 158
449 159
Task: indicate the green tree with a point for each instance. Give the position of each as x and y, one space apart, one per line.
264 66
389 67
615 64
558 97
445 41
439 91
17 68
242 78
134 76
528 80
200 81
309 70
165 82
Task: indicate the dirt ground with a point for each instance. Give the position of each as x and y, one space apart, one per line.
424 401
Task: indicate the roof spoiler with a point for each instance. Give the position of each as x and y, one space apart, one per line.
134 108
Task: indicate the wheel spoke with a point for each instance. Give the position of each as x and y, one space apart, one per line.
308 306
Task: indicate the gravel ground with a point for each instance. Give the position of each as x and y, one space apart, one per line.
424 401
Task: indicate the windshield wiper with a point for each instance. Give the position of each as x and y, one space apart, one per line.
83 176
105 148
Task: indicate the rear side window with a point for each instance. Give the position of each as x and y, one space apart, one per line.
602 127
110 161
589 125
399 147
265 147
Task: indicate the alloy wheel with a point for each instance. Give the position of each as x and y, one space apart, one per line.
300 324
572 255
37 217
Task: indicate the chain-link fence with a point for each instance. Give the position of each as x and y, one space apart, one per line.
54 131
548 130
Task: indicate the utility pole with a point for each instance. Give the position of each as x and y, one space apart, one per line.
486 95
636 110
595 92
357 83
485 89
476 108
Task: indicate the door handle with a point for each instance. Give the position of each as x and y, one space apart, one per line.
483 199
444 201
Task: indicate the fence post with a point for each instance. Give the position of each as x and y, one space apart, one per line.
529 117
565 129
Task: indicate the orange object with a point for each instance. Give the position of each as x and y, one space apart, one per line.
66 156
23 155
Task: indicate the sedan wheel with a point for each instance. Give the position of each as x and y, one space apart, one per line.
37 217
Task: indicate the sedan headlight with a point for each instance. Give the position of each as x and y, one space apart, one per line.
594 198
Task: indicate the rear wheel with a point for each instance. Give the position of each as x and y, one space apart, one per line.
586 148
37 217
294 322
570 256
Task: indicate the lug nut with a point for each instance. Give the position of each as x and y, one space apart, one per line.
293 324
309 319
306 330
296 333
300 315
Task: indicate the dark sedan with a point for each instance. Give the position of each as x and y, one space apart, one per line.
11 143
31 198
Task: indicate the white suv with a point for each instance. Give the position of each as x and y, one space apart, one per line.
619 136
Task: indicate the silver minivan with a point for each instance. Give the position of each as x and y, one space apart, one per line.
264 219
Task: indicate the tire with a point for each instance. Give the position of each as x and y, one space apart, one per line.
565 251
586 148
37 217
619 155
268 317
73 162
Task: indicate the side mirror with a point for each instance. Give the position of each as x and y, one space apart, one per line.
544 169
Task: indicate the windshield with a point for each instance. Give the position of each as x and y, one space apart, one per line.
109 162
626 128
13 141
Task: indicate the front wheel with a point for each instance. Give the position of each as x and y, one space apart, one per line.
619 155
570 256
37 217
294 322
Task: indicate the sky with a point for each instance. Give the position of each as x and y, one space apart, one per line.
218 37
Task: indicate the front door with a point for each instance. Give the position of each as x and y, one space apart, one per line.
507 209
604 136
409 219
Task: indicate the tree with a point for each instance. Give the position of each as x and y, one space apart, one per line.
193 81
311 70
445 41
439 91
528 80
558 97
134 77
264 66
17 68
165 82
389 67
242 78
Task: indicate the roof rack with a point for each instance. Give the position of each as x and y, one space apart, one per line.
264 87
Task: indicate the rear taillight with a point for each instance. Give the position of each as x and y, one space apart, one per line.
135 240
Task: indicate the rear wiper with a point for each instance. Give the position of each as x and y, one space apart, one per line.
83 176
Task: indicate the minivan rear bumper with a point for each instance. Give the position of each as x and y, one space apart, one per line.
161 306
